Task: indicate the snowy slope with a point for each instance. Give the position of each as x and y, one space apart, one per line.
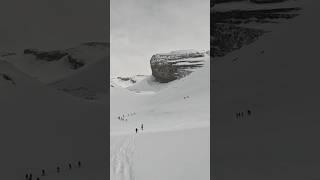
89 82
179 110
277 78
44 128
49 71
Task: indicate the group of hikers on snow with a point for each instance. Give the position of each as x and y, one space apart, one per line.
141 128
127 115
43 171
242 114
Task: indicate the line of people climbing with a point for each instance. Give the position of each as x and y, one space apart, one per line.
29 176
123 116
186 97
140 127
242 114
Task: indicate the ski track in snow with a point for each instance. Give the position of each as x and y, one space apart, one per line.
122 160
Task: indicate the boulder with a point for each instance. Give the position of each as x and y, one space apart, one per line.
167 67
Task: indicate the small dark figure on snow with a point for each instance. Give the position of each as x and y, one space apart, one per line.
43 172
58 169
141 126
38 178
30 176
249 112
136 130
238 115
70 167
79 163
27 175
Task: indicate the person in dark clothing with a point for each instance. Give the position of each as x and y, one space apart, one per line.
249 112
27 175
58 169
238 115
141 126
79 164
43 172
30 176
38 178
136 130
70 167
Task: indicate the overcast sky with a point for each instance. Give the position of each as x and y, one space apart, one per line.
141 28
51 24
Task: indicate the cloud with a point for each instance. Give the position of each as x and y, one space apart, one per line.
141 28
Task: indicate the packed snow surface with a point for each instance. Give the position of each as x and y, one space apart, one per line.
174 143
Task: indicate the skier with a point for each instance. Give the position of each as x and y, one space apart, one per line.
79 164
136 130
70 167
58 169
27 175
30 176
43 173
249 112
141 126
38 178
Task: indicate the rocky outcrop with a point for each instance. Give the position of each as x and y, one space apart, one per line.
46 55
230 30
7 78
227 38
171 66
75 57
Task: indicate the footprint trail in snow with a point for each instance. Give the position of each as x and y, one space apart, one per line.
122 160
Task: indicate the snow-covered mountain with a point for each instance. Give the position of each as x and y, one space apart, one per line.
51 66
171 113
42 128
239 23
80 71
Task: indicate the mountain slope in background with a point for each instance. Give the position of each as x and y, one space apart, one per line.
79 71
50 66
42 128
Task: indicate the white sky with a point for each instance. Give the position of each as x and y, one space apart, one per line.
141 28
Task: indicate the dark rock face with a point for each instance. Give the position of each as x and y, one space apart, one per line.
239 17
229 31
267 1
46 55
7 78
55 56
227 38
254 1
74 63
172 66
127 79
